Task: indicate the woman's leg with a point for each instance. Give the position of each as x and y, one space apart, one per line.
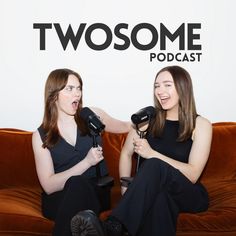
151 204
153 178
189 197
161 218
154 199
78 195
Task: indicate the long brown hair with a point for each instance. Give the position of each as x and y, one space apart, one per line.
57 81
187 108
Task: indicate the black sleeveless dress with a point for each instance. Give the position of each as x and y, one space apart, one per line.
159 192
64 155
80 192
167 144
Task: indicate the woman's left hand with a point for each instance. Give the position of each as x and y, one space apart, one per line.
142 148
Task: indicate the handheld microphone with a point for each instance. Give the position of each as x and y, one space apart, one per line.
93 121
144 114
96 126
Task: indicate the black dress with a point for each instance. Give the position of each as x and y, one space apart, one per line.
159 192
80 192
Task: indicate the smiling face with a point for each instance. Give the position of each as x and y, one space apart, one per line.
166 94
69 97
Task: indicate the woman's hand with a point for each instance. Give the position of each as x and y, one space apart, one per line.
142 148
94 156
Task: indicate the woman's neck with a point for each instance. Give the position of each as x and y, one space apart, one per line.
172 114
172 117
65 119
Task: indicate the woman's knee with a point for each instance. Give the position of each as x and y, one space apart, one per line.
156 170
155 164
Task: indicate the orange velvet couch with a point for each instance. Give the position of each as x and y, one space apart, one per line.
20 209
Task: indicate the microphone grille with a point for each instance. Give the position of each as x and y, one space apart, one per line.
143 115
85 113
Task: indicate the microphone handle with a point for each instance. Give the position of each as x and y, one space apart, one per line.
101 181
137 164
141 135
95 144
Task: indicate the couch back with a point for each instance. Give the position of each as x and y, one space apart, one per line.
221 165
17 165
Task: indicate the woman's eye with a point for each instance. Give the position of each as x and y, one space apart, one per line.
68 88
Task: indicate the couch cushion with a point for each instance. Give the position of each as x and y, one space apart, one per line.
221 215
20 212
217 222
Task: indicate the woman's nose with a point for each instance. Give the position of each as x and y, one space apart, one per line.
160 91
77 92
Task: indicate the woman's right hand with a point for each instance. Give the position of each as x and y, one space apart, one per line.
94 155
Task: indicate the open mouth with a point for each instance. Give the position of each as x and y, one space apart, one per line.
75 104
164 100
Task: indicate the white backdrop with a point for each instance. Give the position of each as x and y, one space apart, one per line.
120 82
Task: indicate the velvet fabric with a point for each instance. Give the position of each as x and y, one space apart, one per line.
20 192
20 205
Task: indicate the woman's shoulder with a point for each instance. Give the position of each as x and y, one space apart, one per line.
203 125
36 138
203 130
38 133
202 121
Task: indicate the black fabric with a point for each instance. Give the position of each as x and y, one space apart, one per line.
80 192
159 192
167 144
113 227
64 155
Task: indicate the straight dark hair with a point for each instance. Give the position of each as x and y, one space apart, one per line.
187 108
57 81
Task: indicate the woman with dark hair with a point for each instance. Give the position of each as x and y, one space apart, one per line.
175 151
64 154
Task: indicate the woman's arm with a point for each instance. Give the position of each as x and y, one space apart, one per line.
125 163
198 155
49 180
112 125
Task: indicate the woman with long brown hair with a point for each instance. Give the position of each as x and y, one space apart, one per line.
175 151
64 154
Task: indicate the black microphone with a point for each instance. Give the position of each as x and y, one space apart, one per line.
93 121
144 114
96 127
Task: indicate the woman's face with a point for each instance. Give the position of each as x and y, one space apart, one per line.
69 97
165 92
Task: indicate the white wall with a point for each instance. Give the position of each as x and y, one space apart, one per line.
120 82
